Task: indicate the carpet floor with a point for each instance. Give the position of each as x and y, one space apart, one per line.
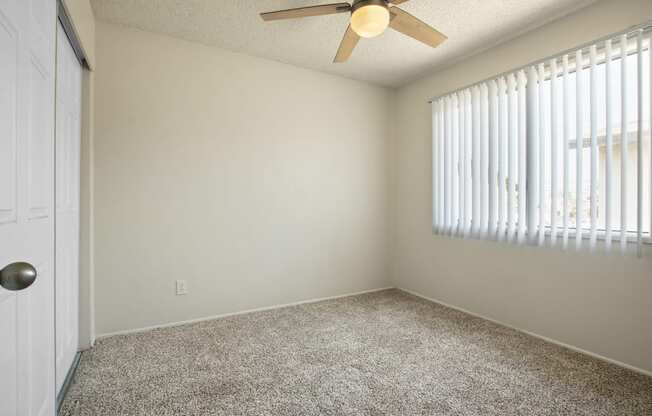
383 353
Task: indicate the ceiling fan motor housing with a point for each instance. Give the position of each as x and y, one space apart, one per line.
361 3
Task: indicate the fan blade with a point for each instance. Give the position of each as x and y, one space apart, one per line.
398 1
349 41
407 24
307 11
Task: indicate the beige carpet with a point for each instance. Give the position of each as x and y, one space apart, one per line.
385 353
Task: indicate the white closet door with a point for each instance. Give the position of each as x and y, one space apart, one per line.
27 71
68 130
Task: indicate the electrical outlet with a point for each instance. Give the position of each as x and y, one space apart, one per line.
182 287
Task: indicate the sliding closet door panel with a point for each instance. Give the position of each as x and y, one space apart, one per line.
68 130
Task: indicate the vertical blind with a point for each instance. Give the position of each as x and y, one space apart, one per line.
553 152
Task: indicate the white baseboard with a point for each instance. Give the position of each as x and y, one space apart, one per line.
532 334
285 305
224 315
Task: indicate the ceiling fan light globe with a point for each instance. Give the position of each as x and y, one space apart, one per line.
370 21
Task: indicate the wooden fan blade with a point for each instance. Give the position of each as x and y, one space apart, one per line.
407 24
347 45
307 11
398 1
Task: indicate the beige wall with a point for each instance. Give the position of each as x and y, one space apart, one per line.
257 182
595 302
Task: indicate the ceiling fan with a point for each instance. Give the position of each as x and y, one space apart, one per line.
369 18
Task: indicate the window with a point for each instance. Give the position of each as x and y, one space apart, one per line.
555 153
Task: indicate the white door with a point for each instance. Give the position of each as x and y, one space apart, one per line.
68 133
27 46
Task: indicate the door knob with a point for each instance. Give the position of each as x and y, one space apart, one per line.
17 276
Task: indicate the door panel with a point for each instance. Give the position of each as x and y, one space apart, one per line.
27 36
8 329
8 203
36 331
8 85
39 175
68 133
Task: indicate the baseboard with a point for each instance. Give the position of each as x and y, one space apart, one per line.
532 334
224 315
66 383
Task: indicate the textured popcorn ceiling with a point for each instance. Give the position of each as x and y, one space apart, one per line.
391 59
